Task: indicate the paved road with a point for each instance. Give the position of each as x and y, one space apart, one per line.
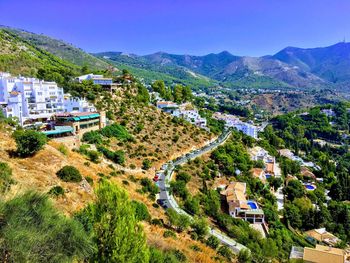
166 176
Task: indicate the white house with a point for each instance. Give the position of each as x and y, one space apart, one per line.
97 79
72 104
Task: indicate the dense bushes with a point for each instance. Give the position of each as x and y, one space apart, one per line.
116 156
5 177
29 142
141 211
69 174
116 131
92 137
31 230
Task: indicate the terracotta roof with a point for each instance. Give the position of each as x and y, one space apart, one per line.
15 93
257 172
306 172
270 167
324 254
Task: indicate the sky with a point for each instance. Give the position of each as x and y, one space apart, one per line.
197 27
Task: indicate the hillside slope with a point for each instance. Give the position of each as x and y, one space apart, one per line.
60 49
20 57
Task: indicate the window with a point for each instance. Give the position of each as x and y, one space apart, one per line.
52 93
40 93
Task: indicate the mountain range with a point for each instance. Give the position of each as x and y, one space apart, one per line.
290 68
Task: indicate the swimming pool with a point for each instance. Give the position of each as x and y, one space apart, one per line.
310 187
252 205
267 176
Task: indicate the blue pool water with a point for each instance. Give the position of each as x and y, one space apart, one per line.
252 205
310 187
267 176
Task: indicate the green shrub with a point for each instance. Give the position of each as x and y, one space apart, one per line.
157 222
169 233
141 211
89 180
146 164
92 137
118 156
213 242
226 252
149 186
195 248
69 174
56 191
32 230
116 131
5 177
63 149
93 156
29 142
183 177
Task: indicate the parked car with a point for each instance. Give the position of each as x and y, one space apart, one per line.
156 178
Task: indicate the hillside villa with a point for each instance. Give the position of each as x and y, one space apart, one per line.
183 111
105 83
319 254
238 206
271 167
321 235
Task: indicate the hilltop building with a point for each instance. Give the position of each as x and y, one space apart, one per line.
105 83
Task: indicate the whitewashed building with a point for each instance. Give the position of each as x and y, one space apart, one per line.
181 111
31 100
97 79
234 122
72 104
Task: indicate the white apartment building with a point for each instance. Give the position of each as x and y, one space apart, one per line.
77 104
29 98
234 122
32 100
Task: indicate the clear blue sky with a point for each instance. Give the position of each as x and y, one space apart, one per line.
243 27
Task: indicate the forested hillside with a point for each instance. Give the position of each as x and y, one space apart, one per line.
60 49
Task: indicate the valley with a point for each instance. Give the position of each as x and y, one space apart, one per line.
114 157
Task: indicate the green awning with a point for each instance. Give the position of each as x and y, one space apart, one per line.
59 130
90 116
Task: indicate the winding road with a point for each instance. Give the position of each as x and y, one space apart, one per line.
168 200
